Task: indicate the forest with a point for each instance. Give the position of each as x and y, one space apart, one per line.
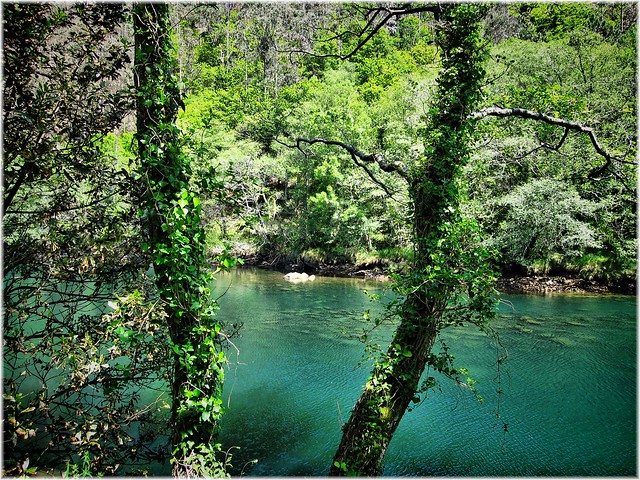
151 147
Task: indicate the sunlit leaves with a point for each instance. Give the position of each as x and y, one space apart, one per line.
544 217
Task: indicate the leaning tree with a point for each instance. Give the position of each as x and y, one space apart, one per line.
450 279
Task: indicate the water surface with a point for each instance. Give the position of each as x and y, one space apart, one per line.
568 401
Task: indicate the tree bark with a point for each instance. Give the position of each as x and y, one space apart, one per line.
176 246
395 379
375 418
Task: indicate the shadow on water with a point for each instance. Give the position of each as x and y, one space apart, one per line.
274 431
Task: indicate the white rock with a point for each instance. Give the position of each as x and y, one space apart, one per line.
298 277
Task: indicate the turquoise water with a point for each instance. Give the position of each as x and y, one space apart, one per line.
569 385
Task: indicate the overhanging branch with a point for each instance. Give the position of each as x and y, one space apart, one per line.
359 158
560 122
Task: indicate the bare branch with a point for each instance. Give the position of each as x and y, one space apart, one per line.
373 177
564 137
358 157
398 167
566 124
368 30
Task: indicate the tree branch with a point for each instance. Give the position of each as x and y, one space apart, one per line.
398 167
566 124
370 29
358 157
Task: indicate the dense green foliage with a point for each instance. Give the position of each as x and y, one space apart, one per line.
571 76
87 352
70 245
315 204
301 141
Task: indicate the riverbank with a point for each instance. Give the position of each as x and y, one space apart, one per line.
561 284
508 283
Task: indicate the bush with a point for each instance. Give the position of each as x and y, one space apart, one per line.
545 217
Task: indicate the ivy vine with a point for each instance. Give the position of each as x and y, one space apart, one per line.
176 245
451 279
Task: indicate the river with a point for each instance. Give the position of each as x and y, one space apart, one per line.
569 384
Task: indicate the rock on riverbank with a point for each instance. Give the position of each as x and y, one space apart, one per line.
545 284
508 283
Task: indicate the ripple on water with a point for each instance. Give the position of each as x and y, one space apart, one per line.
569 387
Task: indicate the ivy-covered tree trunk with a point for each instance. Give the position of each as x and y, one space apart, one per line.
176 246
446 280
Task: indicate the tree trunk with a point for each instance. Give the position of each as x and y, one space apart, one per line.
176 246
386 397
395 379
